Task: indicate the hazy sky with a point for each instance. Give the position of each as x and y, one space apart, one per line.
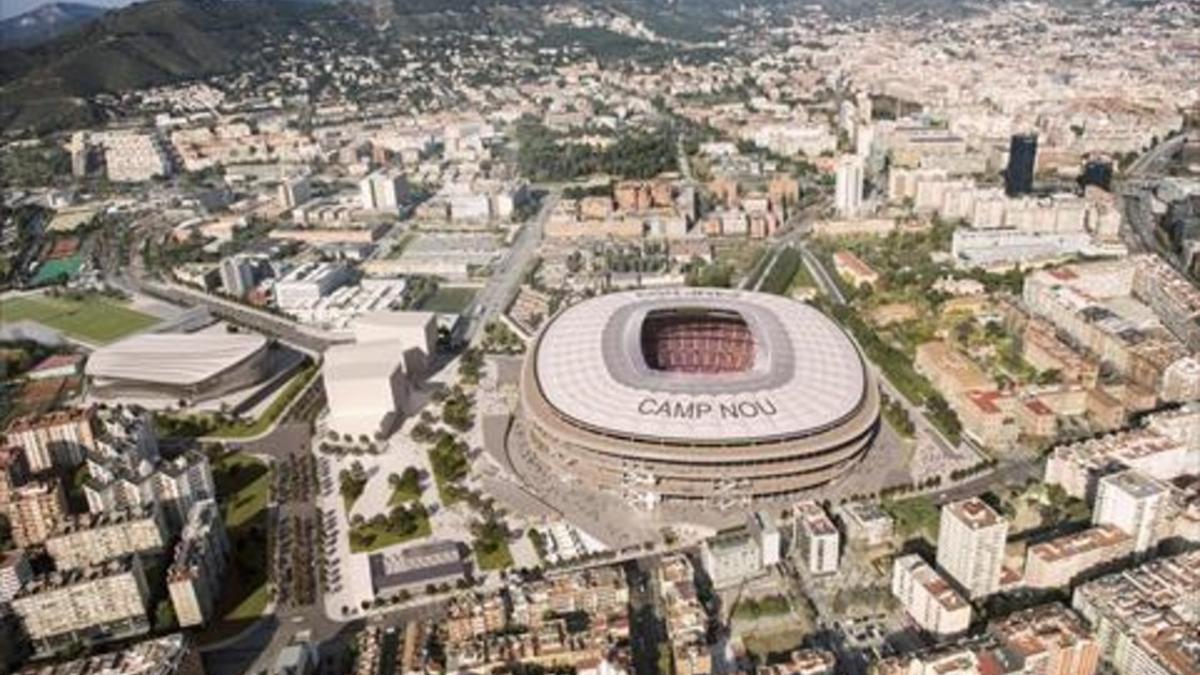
14 7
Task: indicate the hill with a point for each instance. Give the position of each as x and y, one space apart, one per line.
146 44
45 23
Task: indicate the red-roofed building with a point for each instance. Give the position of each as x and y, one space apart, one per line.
1035 418
58 365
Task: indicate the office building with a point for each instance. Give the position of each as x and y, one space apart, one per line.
412 334
849 186
294 191
1022 163
1134 503
92 538
308 283
928 598
970 546
383 191
814 537
366 388
237 276
95 604
194 578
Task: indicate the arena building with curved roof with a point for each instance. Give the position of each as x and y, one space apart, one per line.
190 366
701 395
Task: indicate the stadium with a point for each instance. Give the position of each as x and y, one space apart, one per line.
173 366
704 396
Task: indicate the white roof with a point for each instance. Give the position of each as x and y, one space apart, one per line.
363 361
385 324
807 375
173 358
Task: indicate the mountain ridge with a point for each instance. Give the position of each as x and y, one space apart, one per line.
46 22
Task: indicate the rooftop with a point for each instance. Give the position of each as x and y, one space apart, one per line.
173 358
768 368
974 513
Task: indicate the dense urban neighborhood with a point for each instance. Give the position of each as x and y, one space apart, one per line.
600 336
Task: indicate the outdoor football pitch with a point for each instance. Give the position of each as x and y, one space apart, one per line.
96 319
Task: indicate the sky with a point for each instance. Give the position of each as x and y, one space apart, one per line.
14 7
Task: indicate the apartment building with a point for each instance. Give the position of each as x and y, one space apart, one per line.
53 440
685 617
1077 467
133 157
194 578
120 483
94 604
815 538
92 538
866 522
970 546
526 622
15 572
732 556
294 191
1146 619
1060 562
1134 503
928 597
168 655
1047 639
35 511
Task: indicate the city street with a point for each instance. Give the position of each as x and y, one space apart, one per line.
506 278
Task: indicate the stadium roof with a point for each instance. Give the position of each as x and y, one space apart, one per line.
806 374
173 358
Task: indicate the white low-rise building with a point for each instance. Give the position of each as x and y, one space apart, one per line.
308 283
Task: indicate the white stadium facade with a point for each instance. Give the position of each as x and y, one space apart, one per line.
702 396
189 366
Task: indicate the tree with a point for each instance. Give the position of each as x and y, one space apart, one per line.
164 617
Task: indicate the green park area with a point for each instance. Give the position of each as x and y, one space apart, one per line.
92 318
243 484
492 553
916 516
226 427
403 524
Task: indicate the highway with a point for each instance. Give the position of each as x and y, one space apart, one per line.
508 274
308 339
1134 190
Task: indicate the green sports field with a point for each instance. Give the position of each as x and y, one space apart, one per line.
97 319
